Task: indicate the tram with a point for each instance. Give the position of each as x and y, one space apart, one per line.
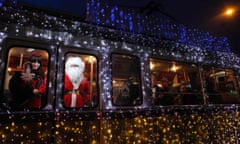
106 81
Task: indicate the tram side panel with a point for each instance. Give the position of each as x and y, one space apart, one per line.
71 122
77 96
27 91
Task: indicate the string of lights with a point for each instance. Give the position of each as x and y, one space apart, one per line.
110 28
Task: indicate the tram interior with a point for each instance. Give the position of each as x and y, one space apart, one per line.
222 86
18 56
173 83
184 82
126 80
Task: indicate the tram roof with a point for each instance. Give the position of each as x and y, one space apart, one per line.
117 24
127 22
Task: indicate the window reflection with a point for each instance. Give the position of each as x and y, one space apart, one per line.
25 78
175 83
221 86
126 80
80 81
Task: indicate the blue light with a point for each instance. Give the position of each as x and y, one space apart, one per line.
131 20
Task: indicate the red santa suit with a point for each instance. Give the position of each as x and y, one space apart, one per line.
76 87
76 97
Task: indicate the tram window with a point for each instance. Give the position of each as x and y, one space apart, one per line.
126 80
175 83
80 81
221 86
26 78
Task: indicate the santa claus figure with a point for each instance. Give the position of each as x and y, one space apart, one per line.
76 86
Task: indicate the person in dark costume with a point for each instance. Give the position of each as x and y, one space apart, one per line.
29 85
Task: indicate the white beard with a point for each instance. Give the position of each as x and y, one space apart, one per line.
75 76
74 68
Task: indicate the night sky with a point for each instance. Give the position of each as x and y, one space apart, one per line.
202 14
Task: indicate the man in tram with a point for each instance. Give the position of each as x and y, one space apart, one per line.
164 94
76 86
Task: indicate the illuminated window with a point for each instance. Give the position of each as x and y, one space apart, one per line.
126 80
221 86
80 81
175 83
26 78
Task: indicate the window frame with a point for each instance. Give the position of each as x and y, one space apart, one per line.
218 92
181 63
139 78
11 42
61 71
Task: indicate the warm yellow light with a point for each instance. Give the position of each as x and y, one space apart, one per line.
94 142
174 67
229 11
109 131
152 65
91 59
3 136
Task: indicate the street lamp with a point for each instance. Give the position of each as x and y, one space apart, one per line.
229 12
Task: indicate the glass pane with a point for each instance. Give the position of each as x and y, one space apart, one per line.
25 78
175 83
126 80
221 86
80 81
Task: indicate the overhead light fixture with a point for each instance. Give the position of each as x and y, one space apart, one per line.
174 68
152 65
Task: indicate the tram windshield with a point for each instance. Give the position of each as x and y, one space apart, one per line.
26 78
175 83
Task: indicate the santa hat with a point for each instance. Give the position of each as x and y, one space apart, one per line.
36 56
75 61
